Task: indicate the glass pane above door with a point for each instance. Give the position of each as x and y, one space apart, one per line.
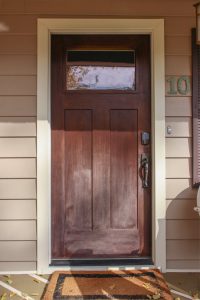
100 70
100 78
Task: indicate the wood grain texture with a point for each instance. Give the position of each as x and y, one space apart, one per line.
181 209
21 209
178 147
178 168
17 126
17 251
17 168
17 106
17 147
124 156
99 144
17 230
17 188
78 169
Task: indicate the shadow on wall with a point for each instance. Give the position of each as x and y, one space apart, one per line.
183 231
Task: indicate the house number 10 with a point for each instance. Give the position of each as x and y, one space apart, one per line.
178 86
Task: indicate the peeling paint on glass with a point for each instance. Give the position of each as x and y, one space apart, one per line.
100 78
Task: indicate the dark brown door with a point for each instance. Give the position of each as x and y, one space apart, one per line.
100 120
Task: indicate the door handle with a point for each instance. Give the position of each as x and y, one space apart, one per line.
145 170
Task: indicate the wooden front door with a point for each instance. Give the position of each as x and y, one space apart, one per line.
100 122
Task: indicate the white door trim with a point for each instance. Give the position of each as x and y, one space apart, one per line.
154 27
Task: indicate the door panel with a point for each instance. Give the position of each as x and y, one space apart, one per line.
123 173
78 169
99 207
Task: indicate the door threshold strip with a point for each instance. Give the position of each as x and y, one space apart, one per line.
15 291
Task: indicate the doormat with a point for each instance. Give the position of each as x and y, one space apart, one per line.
134 284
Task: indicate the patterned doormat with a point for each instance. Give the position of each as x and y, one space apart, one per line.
136 284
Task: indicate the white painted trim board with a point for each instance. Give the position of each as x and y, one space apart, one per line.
46 27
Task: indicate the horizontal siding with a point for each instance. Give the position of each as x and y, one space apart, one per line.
178 147
183 249
18 64
180 189
17 251
178 45
18 85
17 147
18 266
17 230
183 229
178 65
17 106
180 126
181 209
18 52
18 168
179 26
19 24
18 44
178 168
17 126
178 107
183 264
17 189
21 209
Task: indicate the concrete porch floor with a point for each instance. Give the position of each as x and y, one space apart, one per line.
188 283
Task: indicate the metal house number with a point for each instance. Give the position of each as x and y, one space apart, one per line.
178 86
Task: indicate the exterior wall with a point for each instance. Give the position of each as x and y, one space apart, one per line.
18 26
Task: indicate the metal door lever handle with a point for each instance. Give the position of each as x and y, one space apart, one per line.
145 170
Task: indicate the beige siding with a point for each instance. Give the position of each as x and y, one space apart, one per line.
176 147
178 167
17 64
17 147
17 266
178 107
17 251
180 126
183 249
17 85
17 188
181 209
17 230
183 229
21 209
180 189
17 168
17 126
18 72
17 106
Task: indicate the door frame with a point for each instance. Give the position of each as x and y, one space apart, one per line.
153 27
